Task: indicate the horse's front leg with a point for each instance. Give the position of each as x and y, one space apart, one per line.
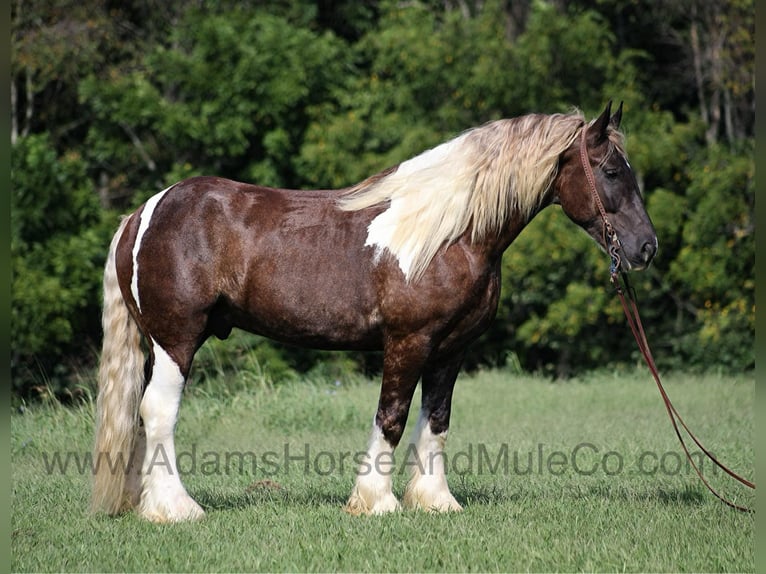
402 364
428 488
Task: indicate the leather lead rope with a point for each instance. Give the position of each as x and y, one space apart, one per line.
630 308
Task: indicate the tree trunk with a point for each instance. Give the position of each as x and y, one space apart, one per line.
14 119
698 76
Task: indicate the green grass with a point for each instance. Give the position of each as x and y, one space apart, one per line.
600 518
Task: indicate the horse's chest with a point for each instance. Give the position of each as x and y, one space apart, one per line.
482 308
473 316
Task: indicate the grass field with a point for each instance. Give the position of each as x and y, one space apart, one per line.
584 475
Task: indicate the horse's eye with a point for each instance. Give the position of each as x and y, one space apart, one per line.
611 173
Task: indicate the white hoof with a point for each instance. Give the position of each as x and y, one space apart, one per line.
358 505
420 497
181 509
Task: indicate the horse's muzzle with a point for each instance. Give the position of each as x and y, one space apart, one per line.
644 257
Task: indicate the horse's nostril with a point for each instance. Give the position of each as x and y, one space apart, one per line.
648 250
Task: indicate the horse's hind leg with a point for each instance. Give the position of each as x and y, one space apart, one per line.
163 497
428 488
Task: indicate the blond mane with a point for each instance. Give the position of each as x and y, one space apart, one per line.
481 177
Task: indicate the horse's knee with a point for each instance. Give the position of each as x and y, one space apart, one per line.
391 422
393 409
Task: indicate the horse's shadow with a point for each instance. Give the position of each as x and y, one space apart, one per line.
264 493
267 492
492 494
667 496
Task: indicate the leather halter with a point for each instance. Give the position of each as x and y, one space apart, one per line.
630 308
610 235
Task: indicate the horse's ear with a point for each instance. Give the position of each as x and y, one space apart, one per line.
614 121
597 131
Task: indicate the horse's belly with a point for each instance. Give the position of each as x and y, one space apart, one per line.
314 324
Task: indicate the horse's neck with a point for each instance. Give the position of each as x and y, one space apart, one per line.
497 245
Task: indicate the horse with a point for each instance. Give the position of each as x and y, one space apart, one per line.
406 262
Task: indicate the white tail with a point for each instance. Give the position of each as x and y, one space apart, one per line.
120 384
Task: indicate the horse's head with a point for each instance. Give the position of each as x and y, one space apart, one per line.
617 190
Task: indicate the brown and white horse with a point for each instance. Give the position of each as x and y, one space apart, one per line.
407 262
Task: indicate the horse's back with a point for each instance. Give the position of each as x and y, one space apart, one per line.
213 254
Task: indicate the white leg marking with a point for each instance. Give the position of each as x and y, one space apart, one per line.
428 488
163 498
146 216
372 492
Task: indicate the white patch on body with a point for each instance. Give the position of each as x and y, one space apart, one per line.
146 217
381 232
163 498
427 172
428 487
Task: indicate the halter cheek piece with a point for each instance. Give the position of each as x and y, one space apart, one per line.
610 235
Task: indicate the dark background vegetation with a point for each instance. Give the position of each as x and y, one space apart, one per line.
113 101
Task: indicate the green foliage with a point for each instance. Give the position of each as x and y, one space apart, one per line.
50 194
57 254
427 75
557 311
554 308
243 361
226 95
561 58
714 269
112 106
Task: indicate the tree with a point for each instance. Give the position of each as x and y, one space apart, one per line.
226 95
57 238
113 101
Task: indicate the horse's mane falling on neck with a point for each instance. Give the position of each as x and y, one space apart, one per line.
482 177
